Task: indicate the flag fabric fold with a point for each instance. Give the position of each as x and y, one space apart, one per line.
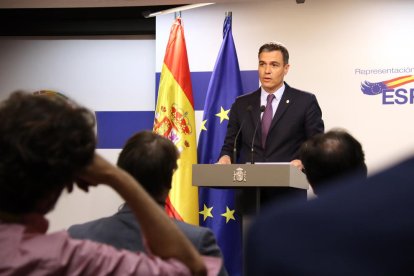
217 206
175 119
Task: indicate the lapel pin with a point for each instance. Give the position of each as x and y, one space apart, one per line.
287 101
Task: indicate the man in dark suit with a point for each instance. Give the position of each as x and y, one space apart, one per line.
294 116
331 155
151 159
360 227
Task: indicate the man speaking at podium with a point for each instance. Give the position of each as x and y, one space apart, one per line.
270 124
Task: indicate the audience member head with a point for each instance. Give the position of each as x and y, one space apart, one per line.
274 46
151 159
44 144
332 155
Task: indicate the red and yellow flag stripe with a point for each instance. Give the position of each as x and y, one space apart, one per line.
175 119
393 83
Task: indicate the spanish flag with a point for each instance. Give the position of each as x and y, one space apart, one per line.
175 119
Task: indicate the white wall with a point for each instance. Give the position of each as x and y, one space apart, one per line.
327 41
101 73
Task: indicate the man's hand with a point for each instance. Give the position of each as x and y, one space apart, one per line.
225 159
98 172
297 163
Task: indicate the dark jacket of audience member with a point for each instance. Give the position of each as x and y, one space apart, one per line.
358 227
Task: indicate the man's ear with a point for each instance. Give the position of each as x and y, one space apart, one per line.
286 68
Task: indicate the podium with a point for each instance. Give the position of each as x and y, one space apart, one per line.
259 175
249 175
253 176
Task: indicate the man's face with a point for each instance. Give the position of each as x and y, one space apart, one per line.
272 70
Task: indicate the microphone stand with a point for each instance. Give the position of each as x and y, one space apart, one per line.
235 143
262 109
249 108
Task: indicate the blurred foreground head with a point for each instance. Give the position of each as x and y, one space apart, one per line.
332 155
44 143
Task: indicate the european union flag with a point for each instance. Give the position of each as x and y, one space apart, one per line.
217 206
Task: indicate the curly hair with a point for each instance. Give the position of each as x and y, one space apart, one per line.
151 159
44 143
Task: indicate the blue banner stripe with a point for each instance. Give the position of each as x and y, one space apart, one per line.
115 127
200 80
250 80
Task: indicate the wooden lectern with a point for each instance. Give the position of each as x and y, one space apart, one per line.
257 175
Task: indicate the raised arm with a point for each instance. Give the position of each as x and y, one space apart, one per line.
163 237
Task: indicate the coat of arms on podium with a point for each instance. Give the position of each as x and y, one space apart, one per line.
239 175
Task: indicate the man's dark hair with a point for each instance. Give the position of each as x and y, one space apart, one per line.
273 46
44 143
151 159
332 155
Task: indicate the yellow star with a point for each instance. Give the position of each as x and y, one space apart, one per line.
223 114
206 212
229 214
203 125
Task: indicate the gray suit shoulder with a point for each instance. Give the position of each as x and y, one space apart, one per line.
204 240
82 231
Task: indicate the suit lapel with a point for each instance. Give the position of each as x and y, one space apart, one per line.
255 114
255 103
284 104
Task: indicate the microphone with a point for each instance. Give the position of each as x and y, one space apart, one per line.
262 109
249 109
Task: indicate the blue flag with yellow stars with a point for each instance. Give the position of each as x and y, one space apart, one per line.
217 206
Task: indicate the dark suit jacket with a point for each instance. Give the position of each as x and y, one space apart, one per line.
297 118
360 227
123 232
